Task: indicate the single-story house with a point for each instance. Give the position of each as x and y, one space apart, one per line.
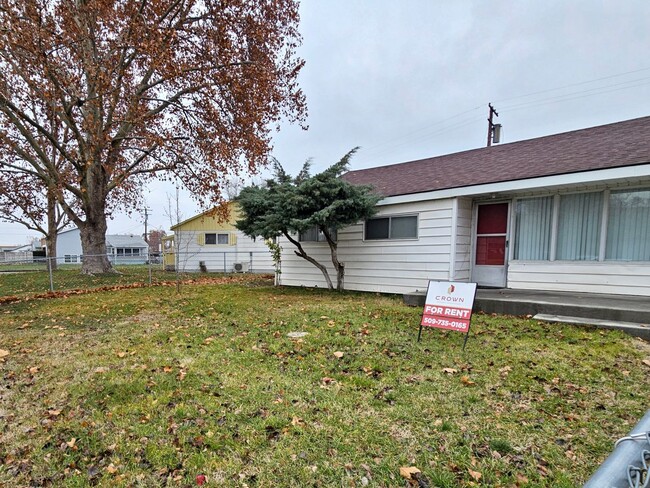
210 242
566 212
121 248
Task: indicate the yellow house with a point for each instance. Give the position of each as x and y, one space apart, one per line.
210 242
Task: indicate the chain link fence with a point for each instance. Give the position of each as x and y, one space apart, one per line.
629 465
21 275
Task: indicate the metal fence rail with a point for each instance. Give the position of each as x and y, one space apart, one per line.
627 466
40 274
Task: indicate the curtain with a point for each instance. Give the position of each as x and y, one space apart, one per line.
533 220
628 226
578 234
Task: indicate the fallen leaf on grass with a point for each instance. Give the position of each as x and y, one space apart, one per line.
4 353
466 381
521 478
111 468
168 369
101 369
34 369
449 370
54 413
646 362
408 472
71 442
121 354
475 474
338 354
297 421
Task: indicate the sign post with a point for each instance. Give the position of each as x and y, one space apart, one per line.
448 305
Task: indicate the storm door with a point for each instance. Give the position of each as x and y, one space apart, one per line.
490 245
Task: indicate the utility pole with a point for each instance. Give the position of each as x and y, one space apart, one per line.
146 221
493 129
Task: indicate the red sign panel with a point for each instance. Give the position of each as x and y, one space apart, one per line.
449 305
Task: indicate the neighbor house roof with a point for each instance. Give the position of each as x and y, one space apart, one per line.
607 146
216 214
118 240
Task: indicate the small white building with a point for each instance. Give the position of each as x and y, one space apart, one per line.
567 212
121 248
210 243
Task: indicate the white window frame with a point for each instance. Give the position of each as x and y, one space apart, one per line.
606 192
216 238
390 217
320 236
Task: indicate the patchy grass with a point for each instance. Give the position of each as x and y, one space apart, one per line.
148 387
27 282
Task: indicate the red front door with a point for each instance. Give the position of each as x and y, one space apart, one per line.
490 246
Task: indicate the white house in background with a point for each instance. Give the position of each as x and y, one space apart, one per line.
566 212
121 249
206 243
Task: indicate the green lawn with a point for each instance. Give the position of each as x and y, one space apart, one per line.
150 387
30 279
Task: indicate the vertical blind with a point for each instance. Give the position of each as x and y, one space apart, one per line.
578 233
628 226
579 223
533 220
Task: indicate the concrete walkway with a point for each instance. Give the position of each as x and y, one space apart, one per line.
628 313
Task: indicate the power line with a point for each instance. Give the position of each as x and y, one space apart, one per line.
572 84
426 127
572 96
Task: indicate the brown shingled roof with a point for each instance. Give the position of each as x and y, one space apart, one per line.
607 146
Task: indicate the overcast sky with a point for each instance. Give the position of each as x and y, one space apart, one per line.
411 79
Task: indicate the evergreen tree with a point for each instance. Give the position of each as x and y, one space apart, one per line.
286 206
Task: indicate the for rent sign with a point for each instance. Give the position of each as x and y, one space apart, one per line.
448 305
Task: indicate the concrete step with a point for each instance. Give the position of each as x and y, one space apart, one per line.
587 307
634 329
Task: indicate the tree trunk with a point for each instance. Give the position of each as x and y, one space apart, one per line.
338 266
93 241
52 228
50 249
301 253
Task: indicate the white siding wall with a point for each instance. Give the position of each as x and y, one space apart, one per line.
389 266
68 243
221 258
595 277
463 240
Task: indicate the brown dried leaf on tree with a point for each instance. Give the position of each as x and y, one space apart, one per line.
105 96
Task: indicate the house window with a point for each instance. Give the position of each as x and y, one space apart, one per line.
394 227
595 226
120 251
127 251
533 221
70 258
313 234
579 222
136 252
628 226
214 238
